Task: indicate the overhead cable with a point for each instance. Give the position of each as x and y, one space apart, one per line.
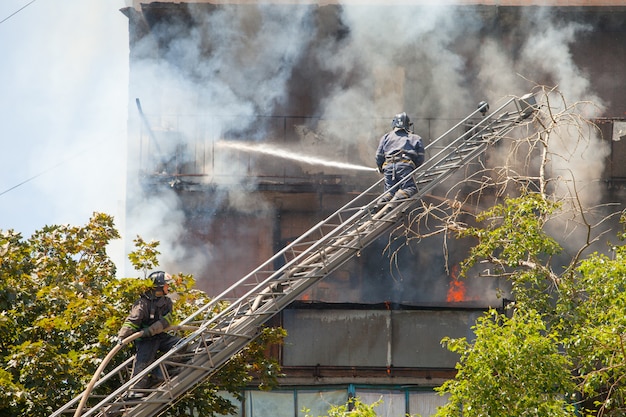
17 11
49 169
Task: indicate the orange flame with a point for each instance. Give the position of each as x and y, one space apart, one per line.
456 291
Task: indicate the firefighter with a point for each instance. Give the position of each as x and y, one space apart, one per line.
151 314
399 152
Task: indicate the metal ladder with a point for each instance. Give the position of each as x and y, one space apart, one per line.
271 287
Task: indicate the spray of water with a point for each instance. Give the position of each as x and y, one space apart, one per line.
282 153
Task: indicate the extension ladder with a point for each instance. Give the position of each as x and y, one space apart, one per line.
253 300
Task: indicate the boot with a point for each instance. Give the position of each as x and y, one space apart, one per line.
146 383
401 195
382 201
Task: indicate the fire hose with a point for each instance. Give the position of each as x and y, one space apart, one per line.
110 356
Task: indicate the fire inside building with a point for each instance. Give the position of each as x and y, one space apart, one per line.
252 122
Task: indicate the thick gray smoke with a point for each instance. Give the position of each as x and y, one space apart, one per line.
407 61
252 54
351 67
578 156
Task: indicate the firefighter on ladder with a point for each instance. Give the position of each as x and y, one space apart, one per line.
151 314
399 152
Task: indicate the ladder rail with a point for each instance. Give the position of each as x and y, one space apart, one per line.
74 401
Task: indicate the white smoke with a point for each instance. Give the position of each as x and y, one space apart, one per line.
428 47
253 51
579 153
406 59
65 93
434 61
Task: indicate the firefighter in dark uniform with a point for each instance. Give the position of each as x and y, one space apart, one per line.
399 152
151 314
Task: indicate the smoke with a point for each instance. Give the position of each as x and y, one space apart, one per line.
578 156
228 69
406 61
342 71
429 48
546 56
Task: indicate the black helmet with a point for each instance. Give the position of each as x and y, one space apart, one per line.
160 278
401 121
483 107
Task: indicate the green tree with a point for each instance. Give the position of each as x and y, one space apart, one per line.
593 307
558 348
513 368
61 306
51 298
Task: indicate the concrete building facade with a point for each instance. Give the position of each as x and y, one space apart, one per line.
252 121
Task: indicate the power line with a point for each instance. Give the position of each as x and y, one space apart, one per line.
30 179
48 170
17 11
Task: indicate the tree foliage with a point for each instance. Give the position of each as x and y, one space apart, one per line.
513 368
558 349
593 307
61 306
514 241
53 288
355 407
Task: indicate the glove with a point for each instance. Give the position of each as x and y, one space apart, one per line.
155 328
120 341
124 332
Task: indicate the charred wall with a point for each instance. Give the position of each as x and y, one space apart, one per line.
312 81
235 237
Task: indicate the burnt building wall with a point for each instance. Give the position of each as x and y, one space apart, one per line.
253 111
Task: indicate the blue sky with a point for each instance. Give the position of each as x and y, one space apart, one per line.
63 112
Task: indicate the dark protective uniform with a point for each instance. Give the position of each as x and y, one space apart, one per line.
399 153
150 314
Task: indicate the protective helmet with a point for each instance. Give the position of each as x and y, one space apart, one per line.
401 121
160 278
483 107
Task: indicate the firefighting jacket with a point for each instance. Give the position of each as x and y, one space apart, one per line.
400 146
146 311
